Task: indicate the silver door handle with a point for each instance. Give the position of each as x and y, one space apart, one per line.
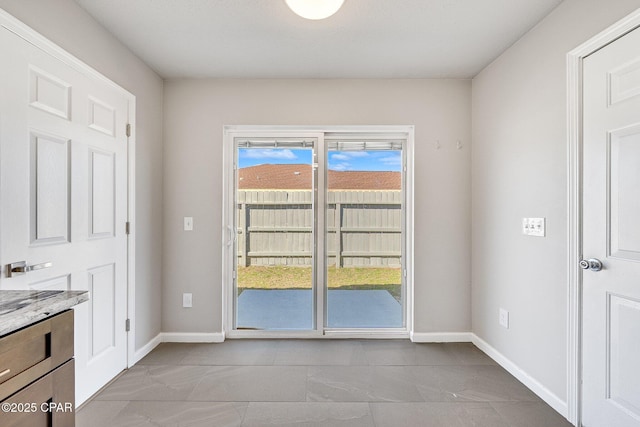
592 264
21 267
232 235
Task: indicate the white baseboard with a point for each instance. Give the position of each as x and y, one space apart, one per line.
440 336
544 393
139 354
145 349
192 337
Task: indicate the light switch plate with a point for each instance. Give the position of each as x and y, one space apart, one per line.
187 300
503 318
534 227
188 223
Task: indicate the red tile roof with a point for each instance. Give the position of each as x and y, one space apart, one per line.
298 177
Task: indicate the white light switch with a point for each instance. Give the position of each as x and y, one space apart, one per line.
503 318
534 227
188 223
187 300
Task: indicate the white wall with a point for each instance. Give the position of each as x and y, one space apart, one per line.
195 113
68 25
519 170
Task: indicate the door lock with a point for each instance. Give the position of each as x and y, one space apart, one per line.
592 264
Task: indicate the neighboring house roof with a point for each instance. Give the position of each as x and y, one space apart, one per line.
298 177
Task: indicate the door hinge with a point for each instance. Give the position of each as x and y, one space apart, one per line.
127 227
127 325
404 273
233 274
128 129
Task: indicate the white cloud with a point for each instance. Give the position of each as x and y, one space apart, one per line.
344 166
390 160
346 155
356 153
269 153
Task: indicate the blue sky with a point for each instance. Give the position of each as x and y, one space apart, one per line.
382 160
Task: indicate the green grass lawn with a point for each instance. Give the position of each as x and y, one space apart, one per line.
282 277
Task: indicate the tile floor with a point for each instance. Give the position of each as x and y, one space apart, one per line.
317 383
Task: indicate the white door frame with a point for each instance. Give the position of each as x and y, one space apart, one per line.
228 213
30 35
574 155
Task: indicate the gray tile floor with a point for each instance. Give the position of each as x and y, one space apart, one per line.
317 383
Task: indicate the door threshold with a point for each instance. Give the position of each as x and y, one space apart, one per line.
371 334
266 334
328 334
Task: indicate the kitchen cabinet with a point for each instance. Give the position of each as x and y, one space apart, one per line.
37 381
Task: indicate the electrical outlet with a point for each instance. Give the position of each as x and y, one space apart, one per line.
188 223
503 318
187 300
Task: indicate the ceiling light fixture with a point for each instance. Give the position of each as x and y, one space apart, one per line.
315 9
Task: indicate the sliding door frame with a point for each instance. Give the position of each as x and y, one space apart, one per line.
229 253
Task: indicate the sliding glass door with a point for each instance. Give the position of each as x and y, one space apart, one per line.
275 184
364 213
319 234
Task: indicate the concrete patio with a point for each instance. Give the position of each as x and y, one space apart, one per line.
292 309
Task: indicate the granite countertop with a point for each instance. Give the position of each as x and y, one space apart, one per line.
22 308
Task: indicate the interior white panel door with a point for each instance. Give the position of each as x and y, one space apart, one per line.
611 233
63 196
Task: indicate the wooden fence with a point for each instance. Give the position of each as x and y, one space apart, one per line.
364 228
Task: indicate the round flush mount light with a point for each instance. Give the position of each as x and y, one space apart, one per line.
315 9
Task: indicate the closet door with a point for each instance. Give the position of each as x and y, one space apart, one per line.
63 198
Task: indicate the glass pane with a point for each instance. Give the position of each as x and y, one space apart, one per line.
275 238
364 237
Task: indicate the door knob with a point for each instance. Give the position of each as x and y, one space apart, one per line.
592 264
